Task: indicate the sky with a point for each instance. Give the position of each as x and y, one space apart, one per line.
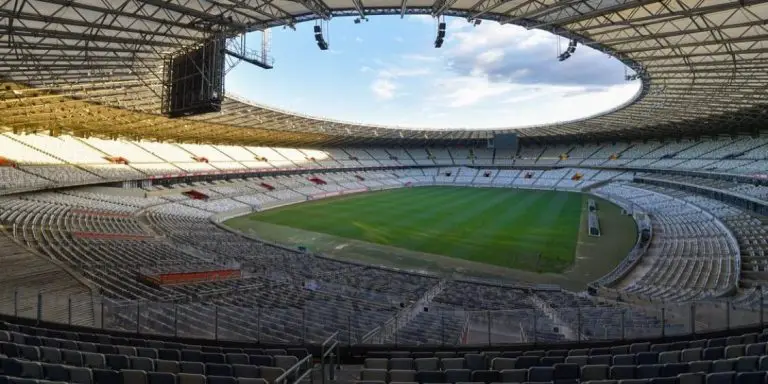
387 72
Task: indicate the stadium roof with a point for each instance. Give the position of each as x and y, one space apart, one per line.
94 67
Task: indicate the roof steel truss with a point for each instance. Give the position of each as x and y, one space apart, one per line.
94 66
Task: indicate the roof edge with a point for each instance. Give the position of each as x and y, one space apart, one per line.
525 23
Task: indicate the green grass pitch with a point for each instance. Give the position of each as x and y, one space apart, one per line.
521 229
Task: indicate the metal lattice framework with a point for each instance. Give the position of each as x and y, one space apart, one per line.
94 67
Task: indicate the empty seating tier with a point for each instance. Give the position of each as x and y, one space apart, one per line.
95 255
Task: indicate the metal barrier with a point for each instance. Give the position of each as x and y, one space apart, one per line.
372 336
327 351
621 316
294 370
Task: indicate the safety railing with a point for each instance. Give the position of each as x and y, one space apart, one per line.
295 372
545 319
329 351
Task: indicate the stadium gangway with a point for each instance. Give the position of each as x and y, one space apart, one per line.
643 221
327 349
368 337
296 369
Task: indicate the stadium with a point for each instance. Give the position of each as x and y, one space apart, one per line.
158 229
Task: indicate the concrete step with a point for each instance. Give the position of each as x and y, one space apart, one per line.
345 374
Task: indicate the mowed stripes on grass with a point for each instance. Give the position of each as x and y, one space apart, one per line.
521 229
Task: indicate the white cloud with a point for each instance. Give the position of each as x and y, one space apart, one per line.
490 56
513 54
399 39
384 86
493 35
358 39
486 104
420 58
464 91
427 19
365 69
398 72
494 76
457 24
383 89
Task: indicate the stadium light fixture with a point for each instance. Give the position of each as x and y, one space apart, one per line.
569 51
440 34
321 43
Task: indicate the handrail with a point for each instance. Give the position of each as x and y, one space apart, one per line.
327 351
368 336
284 377
305 374
329 339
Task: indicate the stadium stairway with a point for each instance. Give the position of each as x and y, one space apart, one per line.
26 275
33 148
450 156
143 221
424 301
493 180
410 156
478 175
547 309
107 155
345 374
537 176
404 316
591 154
